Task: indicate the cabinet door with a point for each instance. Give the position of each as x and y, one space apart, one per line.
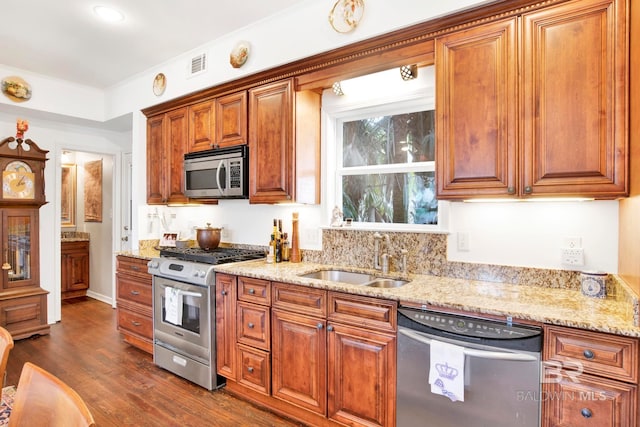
271 143
20 257
476 98
75 266
226 325
155 160
362 376
176 140
299 363
574 113
586 401
201 126
231 120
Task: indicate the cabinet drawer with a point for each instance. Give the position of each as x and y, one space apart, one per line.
370 313
299 299
133 266
254 325
255 369
254 290
135 323
610 356
132 289
591 401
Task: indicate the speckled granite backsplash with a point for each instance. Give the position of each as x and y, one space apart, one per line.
427 254
74 236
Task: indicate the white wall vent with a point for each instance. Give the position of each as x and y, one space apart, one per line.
197 65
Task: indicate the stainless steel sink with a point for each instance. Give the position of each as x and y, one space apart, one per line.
340 276
355 278
380 282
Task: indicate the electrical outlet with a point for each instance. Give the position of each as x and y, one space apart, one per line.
225 233
573 256
463 241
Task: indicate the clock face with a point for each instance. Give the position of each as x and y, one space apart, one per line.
18 181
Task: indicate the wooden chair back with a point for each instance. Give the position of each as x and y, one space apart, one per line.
6 344
42 399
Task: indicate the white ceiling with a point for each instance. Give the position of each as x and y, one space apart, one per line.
63 38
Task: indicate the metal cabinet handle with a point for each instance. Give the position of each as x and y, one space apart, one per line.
250 325
586 412
135 293
223 292
511 190
528 189
134 323
135 268
588 354
329 328
320 326
252 291
250 369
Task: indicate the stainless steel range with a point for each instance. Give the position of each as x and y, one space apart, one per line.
184 310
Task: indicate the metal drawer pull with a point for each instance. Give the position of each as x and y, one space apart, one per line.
135 293
471 352
252 291
250 369
135 267
134 323
586 412
250 325
588 354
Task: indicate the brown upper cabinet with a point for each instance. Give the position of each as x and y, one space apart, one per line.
284 144
201 126
231 119
217 123
166 145
535 105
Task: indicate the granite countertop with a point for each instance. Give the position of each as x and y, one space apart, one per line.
554 306
74 236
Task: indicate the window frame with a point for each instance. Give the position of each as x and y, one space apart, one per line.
335 114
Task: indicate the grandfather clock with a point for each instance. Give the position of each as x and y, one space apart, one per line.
23 303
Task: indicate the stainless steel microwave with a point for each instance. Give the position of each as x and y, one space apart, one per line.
221 173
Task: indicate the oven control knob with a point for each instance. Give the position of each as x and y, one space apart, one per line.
153 264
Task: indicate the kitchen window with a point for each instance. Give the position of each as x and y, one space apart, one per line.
383 159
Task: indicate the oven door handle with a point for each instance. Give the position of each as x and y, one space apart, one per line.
191 294
471 352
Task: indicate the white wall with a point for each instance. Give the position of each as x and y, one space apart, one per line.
55 137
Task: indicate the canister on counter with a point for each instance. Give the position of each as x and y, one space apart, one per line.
594 284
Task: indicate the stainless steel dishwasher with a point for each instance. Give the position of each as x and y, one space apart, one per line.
501 371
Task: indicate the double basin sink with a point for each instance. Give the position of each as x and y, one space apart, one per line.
354 278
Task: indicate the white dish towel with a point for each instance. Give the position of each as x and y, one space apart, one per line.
173 305
446 373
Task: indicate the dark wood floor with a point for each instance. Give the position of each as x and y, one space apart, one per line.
119 383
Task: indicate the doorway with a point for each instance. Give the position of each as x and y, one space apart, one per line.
87 211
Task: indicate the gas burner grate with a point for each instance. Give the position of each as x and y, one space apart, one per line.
214 256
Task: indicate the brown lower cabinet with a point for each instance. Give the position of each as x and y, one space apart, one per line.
590 379
75 269
324 358
134 301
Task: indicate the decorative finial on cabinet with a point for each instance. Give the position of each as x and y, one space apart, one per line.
21 127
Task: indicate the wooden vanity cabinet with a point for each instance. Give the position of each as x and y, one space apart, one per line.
284 144
535 105
166 145
134 298
75 269
590 379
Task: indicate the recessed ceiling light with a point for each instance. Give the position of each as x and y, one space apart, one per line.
108 14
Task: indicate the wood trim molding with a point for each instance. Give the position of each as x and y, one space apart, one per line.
411 45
